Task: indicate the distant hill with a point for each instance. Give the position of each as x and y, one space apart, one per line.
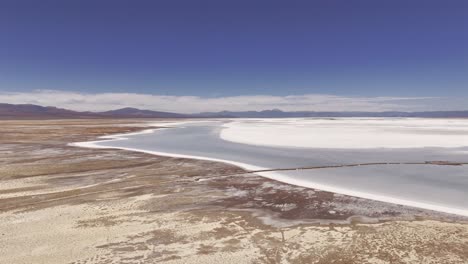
129 112
30 111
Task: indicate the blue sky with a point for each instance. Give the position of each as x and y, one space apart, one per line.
215 49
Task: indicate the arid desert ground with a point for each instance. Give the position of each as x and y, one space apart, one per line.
64 204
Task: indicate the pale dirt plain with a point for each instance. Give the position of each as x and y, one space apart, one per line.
64 204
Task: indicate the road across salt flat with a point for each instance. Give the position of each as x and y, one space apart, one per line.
442 188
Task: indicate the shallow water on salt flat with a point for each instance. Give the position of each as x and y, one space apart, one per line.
445 186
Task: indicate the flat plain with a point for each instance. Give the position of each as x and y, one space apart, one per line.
64 204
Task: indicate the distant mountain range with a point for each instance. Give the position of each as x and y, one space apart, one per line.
29 111
276 113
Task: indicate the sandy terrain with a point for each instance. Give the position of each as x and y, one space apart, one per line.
63 204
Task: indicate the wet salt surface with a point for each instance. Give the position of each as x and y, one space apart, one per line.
441 188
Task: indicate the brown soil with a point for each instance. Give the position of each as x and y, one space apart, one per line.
62 204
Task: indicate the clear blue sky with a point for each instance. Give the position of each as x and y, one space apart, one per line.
225 48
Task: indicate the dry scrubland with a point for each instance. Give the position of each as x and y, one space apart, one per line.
62 204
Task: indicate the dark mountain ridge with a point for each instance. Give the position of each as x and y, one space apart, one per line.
30 111
275 113
135 112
